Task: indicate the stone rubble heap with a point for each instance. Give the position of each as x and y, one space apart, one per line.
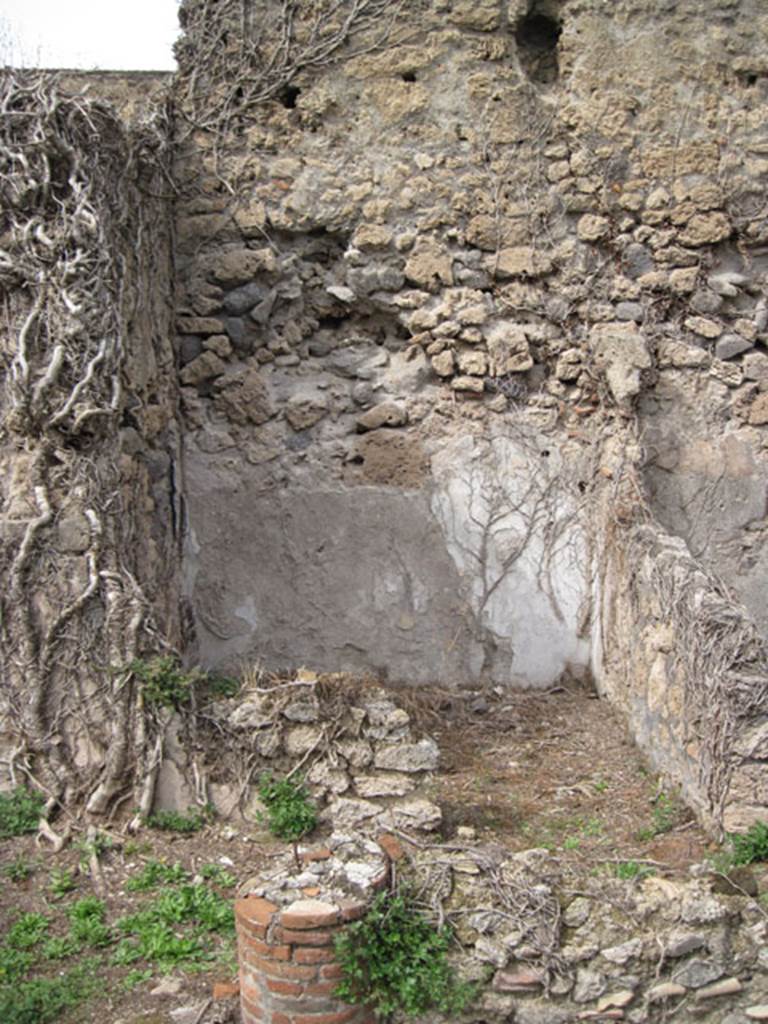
362 764
348 865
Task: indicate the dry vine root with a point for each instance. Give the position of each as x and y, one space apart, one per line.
250 51
73 613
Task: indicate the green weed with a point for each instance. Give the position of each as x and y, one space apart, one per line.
19 812
290 812
666 814
27 931
164 683
137 847
86 923
59 948
14 963
62 881
628 870
136 977
218 875
156 873
42 1000
18 870
395 960
592 828
752 846
176 821
153 933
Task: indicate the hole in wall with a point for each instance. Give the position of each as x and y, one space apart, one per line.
331 323
408 76
537 36
288 96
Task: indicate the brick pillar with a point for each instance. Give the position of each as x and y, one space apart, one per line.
288 969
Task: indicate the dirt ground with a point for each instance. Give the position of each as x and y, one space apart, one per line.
555 770
559 771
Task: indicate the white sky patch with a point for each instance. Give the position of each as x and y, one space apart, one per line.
106 34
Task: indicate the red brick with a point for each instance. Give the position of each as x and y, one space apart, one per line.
264 949
391 845
304 938
251 991
255 910
311 891
303 920
291 1005
225 989
331 971
251 1012
352 910
285 988
281 1018
313 955
276 969
339 1017
321 853
256 931
322 988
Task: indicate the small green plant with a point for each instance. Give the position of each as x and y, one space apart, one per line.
14 964
140 847
571 843
600 786
164 682
156 873
752 846
665 816
18 870
629 870
218 875
27 931
592 828
220 687
290 812
59 947
153 934
62 881
395 960
43 1000
136 977
86 923
19 812
176 821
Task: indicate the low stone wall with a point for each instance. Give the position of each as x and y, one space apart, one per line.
288 969
543 945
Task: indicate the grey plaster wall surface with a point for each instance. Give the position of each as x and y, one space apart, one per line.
479 575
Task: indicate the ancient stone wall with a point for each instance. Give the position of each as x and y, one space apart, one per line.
470 325
468 293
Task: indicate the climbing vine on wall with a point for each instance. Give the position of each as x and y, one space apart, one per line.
73 612
236 54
